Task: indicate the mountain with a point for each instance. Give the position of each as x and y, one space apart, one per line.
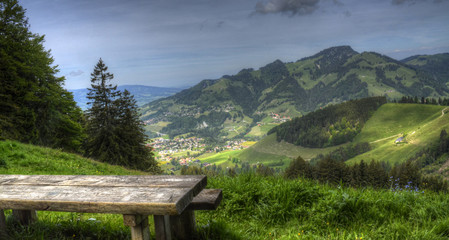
253 101
142 94
436 65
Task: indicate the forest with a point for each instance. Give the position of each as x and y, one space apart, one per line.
333 125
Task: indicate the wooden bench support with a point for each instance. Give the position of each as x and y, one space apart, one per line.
162 227
183 226
25 217
139 226
3 232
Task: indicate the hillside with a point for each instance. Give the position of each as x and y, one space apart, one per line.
20 158
419 124
142 94
253 101
253 207
330 126
435 65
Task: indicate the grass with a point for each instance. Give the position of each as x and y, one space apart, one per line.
256 207
253 207
269 151
394 118
420 124
19 158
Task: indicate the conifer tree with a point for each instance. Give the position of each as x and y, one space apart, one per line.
102 142
134 142
115 132
34 107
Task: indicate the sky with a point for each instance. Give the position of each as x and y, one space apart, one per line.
178 43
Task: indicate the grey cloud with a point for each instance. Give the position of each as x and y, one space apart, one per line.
411 2
293 7
76 73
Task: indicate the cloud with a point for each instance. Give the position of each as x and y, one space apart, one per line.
76 73
411 2
293 7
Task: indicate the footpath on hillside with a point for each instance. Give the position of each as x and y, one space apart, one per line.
382 139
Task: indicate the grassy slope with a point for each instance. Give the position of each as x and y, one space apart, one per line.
19 158
421 124
253 207
29 159
268 151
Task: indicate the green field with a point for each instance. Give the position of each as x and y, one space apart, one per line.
253 206
420 124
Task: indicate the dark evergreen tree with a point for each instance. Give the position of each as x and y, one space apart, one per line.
298 168
134 143
34 107
115 133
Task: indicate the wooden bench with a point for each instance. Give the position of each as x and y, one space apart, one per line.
171 199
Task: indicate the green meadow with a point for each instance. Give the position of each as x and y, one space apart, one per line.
253 206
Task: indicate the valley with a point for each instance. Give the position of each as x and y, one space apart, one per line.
419 126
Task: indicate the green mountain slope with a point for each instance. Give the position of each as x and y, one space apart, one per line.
20 158
420 125
435 65
252 101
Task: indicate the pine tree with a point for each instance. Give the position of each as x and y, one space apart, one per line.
102 142
135 148
115 132
34 107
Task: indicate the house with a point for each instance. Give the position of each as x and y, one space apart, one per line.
399 140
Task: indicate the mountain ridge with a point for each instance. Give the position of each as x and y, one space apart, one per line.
142 93
234 105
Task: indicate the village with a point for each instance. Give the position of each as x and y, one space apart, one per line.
184 151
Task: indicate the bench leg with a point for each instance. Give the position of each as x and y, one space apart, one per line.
3 232
162 226
139 226
25 217
183 226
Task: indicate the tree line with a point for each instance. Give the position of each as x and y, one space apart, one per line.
333 125
433 101
35 108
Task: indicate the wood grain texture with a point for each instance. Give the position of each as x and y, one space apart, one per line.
183 226
162 227
139 226
208 199
145 195
25 217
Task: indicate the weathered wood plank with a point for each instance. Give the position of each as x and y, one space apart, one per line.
122 200
162 227
25 217
208 199
151 181
183 226
139 226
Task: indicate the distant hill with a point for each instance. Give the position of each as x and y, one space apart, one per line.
253 101
142 94
419 125
436 65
